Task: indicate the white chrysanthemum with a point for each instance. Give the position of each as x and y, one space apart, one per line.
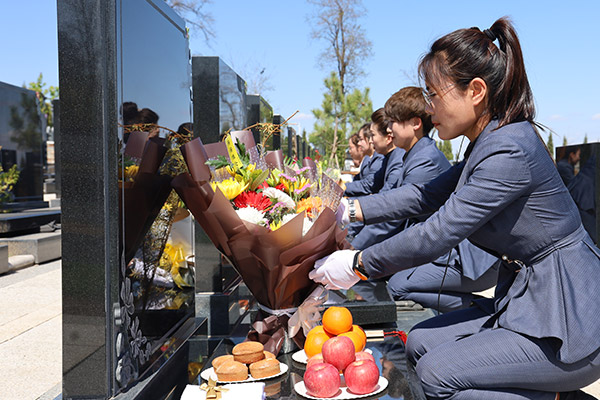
280 196
306 225
251 214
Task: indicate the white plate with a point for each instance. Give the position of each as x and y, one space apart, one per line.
300 356
210 373
344 392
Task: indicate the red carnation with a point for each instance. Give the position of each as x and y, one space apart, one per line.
252 199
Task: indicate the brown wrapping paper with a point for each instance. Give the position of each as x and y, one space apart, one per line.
274 159
273 264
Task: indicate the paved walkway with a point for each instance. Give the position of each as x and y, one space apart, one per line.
31 334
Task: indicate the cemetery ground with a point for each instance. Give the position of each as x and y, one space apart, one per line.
31 334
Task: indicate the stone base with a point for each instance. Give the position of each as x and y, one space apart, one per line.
3 258
43 246
222 311
21 261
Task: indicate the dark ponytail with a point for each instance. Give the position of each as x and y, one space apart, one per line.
466 54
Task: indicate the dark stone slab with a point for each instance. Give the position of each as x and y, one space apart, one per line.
27 222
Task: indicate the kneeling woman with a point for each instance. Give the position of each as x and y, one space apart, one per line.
540 334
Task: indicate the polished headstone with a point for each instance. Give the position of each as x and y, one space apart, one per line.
21 139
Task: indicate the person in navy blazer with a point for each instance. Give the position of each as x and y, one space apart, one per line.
539 337
389 172
448 282
371 161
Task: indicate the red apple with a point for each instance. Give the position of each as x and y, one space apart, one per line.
322 380
316 359
361 376
363 355
339 351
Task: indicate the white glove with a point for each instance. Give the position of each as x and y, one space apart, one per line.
335 271
342 215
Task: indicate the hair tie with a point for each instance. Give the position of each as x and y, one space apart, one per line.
490 34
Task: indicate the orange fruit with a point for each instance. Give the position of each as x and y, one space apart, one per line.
337 320
314 343
360 331
316 329
359 343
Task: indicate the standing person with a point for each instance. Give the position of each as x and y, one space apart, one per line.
539 335
391 166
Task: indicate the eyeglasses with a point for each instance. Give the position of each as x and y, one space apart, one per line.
428 95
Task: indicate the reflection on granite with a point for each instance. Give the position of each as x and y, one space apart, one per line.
259 111
219 98
579 167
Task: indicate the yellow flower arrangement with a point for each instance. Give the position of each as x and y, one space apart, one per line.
231 188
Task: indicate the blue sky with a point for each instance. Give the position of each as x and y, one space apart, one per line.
559 40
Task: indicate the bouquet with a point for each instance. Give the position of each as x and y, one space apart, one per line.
270 220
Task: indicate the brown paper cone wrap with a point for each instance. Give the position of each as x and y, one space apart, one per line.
274 265
274 159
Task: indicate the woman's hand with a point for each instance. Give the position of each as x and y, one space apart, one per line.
335 271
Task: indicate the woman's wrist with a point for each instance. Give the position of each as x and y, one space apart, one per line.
358 211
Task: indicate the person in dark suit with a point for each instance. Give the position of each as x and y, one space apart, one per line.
371 162
390 170
538 338
355 154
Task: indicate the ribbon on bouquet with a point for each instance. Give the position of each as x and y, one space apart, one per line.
308 314
272 326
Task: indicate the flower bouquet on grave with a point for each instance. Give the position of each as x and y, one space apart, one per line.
272 222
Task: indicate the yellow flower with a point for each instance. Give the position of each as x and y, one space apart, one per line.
275 225
230 187
131 172
312 205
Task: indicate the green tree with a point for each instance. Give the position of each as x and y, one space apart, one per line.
445 147
585 139
564 141
339 115
550 144
7 180
45 97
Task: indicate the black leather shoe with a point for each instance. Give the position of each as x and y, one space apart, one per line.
576 395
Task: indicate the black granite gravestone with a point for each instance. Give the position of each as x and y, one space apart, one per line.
124 335
219 98
259 111
21 139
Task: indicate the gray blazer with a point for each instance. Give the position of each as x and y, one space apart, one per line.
508 198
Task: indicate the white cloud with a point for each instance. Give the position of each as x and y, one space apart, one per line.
596 116
300 117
